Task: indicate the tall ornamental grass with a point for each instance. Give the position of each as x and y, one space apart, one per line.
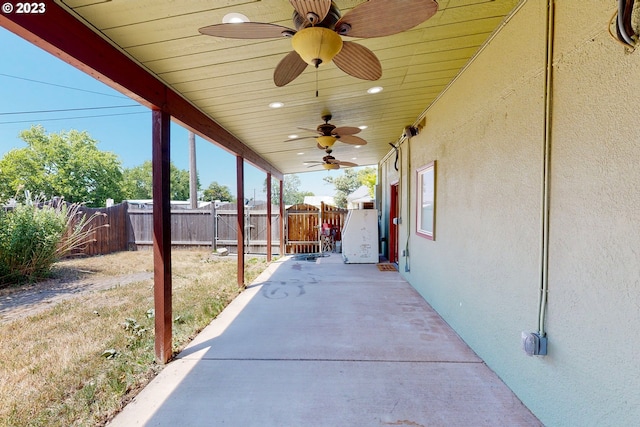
34 236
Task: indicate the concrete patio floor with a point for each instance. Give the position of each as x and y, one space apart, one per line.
323 343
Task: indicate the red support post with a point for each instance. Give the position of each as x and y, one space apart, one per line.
282 236
241 229
161 235
269 254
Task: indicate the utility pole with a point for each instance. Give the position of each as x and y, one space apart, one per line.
193 173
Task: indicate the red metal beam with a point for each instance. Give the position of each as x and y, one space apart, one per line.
240 208
60 33
269 255
282 236
161 235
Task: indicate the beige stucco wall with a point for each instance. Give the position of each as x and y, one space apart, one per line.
482 273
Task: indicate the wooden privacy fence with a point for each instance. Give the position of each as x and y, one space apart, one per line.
209 226
303 223
131 227
110 230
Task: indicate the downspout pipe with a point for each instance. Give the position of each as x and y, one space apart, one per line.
548 115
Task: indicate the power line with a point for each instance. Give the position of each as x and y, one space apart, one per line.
69 109
62 86
72 118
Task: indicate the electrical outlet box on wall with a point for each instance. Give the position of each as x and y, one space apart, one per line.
534 344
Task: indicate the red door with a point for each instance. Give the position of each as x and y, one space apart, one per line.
393 226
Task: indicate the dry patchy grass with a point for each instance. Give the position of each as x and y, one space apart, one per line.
77 363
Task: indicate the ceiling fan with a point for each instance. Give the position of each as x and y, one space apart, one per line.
319 26
329 134
329 162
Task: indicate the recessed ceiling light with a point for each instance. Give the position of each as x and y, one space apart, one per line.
375 89
234 18
363 127
354 158
292 136
276 105
300 154
358 146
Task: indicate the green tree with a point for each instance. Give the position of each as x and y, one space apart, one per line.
137 182
350 181
292 194
67 164
217 191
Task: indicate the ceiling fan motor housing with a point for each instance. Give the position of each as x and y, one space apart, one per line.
329 21
326 128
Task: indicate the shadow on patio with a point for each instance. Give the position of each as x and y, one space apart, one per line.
327 344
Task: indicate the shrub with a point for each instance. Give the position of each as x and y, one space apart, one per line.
34 237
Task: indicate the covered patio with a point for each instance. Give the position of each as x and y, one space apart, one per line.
324 343
223 90
503 123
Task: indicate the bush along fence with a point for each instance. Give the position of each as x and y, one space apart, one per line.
35 234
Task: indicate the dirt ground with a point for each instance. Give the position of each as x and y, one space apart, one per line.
16 303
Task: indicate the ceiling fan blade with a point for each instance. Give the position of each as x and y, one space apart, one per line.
290 67
347 164
311 130
378 18
352 140
317 7
299 138
246 30
345 130
358 61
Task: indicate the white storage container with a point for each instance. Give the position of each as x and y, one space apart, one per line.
360 237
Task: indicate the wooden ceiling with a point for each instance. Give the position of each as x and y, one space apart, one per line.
232 80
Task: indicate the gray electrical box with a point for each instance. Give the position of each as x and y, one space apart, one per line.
533 344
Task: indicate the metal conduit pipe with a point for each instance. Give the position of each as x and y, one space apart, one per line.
548 115
407 263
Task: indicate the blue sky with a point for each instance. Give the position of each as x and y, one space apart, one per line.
33 83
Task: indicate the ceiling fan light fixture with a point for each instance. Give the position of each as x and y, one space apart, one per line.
326 141
316 45
330 166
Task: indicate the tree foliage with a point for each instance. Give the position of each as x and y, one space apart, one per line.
292 194
217 191
138 182
350 181
67 164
